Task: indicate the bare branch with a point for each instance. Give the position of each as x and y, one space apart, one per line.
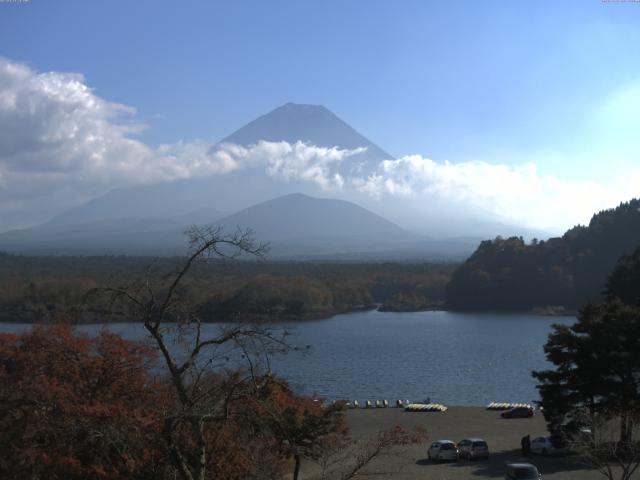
154 303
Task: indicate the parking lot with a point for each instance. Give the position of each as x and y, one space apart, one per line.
503 437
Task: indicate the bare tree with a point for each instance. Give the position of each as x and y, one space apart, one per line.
344 458
601 448
331 454
203 398
162 306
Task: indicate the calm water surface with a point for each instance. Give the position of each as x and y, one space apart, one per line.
453 358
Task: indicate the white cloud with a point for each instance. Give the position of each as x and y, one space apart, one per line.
61 144
518 193
291 161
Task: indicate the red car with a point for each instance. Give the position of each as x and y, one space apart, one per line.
518 412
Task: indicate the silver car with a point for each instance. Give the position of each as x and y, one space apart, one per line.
521 471
443 450
473 448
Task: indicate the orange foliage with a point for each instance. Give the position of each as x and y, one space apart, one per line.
73 406
298 423
79 407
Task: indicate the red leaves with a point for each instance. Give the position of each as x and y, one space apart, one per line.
72 406
78 407
298 422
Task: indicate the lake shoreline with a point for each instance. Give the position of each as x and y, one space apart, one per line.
280 319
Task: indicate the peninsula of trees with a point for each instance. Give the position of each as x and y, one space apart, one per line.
557 275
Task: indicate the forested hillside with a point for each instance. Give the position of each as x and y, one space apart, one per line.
509 274
48 289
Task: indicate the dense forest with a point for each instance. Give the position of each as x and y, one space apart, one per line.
552 276
48 289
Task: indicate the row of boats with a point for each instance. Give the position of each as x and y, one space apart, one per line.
370 404
508 406
408 406
431 407
425 407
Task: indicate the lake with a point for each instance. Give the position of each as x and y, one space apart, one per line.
452 358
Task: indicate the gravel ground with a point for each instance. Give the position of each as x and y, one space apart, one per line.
503 437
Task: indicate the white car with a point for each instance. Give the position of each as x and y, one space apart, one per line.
443 450
544 446
473 448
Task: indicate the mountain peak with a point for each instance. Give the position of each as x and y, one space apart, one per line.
303 106
297 196
313 124
302 112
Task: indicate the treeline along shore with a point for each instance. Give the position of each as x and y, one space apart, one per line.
553 276
74 289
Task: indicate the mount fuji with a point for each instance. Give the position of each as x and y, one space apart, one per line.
284 201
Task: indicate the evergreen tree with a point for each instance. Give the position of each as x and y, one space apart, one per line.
597 369
624 281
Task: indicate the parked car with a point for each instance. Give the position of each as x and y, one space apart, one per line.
521 471
443 450
518 412
473 448
545 446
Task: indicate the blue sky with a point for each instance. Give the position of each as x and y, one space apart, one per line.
451 80
556 84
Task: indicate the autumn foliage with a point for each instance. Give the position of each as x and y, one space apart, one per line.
299 424
73 406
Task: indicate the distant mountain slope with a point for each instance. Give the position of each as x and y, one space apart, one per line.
125 235
299 224
296 225
566 271
301 216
